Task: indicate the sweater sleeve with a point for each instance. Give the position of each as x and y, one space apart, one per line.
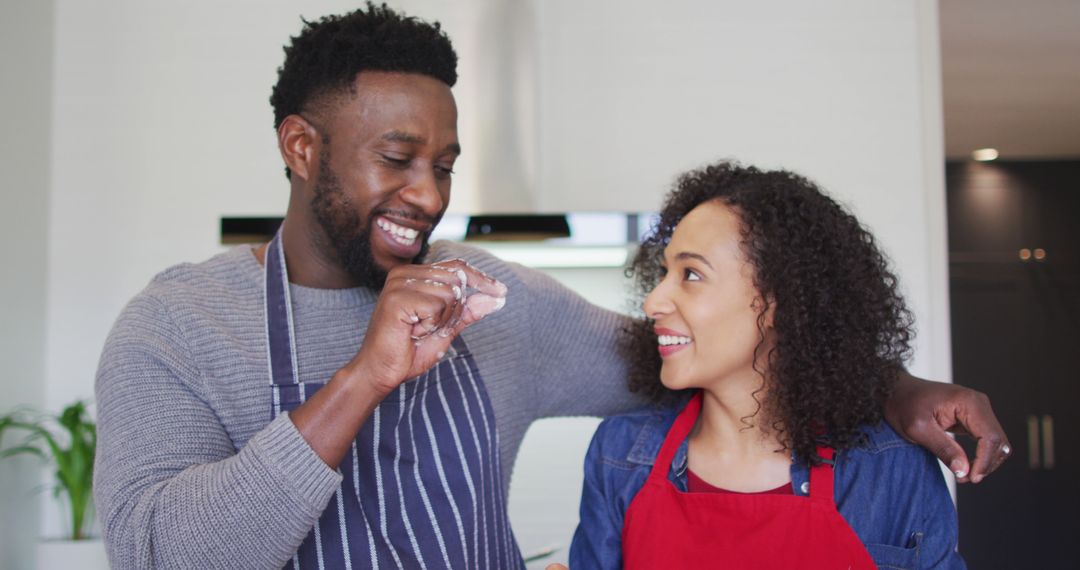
575 355
171 488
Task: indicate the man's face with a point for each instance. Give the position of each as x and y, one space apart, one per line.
385 162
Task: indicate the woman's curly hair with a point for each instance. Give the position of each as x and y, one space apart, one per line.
841 326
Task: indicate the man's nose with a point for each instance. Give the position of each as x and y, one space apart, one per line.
423 194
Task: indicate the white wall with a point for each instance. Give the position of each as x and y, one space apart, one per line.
161 125
846 92
25 96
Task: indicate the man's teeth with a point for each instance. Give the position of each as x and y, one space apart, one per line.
668 340
402 235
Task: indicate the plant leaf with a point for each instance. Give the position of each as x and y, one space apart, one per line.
19 450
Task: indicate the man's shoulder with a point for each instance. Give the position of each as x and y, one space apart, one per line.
218 285
234 269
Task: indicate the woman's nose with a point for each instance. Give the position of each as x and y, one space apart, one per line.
656 302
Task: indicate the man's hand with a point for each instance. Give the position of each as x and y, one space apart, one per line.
420 311
922 411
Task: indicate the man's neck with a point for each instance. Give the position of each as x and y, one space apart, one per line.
309 264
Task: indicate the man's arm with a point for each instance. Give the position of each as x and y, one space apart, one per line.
576 363
170 488
923 411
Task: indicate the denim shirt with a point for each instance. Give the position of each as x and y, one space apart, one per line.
892 493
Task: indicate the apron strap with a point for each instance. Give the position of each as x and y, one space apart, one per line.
678 432
821 476
280 335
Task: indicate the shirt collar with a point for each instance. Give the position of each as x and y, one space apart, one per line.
651 437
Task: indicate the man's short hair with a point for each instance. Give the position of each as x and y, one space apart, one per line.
324 59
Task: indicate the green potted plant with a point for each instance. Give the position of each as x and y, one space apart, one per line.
67 442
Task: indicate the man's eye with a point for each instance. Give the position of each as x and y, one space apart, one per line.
396 161
444 171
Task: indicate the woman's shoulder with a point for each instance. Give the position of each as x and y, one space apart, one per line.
882 447
634 437
894 496
886 464
882 438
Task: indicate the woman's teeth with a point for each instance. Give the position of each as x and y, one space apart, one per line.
669 340
402 235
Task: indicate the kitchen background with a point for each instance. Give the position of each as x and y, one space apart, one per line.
133 127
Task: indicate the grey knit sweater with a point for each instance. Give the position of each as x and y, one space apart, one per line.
191 471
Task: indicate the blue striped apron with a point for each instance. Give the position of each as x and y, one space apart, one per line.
422 484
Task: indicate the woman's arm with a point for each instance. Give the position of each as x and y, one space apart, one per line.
938 546
923 411
598 538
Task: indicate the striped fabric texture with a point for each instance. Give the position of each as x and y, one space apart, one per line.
417 492
422 451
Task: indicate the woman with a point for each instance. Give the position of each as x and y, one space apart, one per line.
781 330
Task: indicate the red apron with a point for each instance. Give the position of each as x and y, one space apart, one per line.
667 528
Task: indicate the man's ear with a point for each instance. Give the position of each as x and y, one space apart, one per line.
298 144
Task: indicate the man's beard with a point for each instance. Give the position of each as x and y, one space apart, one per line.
349 236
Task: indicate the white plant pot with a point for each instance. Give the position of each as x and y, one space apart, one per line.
67 554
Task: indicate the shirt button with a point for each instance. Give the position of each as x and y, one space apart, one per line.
805 487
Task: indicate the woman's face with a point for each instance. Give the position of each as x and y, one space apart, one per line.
706 307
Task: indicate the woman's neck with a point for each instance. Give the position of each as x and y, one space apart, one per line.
733 445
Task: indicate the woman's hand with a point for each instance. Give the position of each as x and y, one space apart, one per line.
923 411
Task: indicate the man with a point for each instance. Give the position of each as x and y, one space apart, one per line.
341 396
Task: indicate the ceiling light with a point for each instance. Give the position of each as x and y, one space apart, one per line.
985 154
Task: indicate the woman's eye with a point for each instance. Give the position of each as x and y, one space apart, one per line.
690 275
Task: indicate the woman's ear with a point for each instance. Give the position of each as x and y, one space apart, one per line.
297 142
769 305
